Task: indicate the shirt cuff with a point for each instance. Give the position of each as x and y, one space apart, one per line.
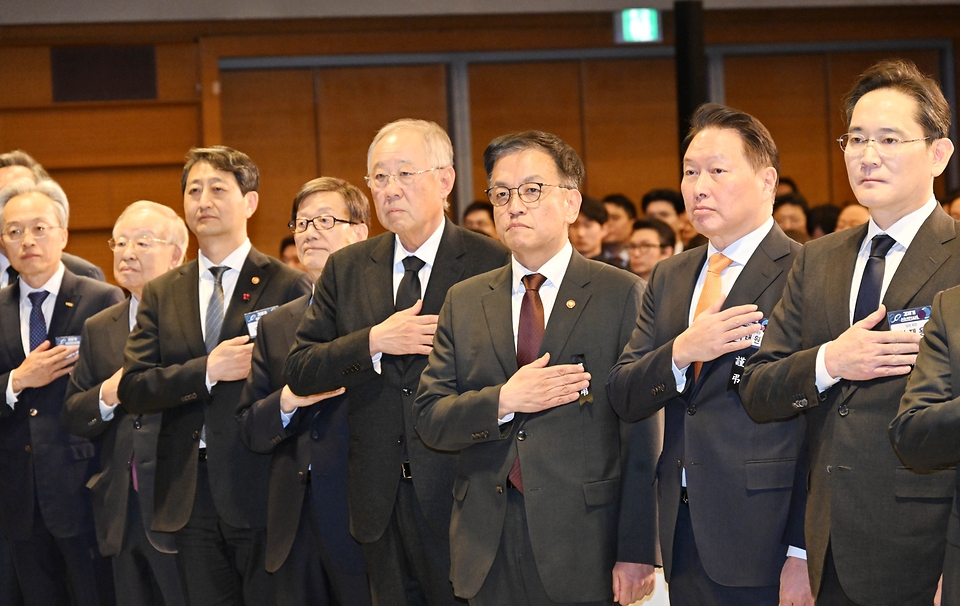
824 380
796 552
285 417
680 374
11 397
376 362
106 411
210 384
506 418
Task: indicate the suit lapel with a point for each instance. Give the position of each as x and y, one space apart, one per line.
447 269
187 303
67 301
837 295
253 282
924 257
565 314
379 278
120 328
10 322
498 312
761 270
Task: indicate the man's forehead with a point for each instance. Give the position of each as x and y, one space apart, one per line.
401 146
885 109
29 205
532 162
204 171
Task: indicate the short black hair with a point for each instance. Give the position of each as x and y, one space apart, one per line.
623 202
824 216
794 198
593 209
663 195
790 182
479 205
569 165
667 236
288 241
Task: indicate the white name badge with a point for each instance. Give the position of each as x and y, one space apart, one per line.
909 320
253 320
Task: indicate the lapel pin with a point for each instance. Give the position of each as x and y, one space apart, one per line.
68 303
255 280
246 295
571 304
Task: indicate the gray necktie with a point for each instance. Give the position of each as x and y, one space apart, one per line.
215 309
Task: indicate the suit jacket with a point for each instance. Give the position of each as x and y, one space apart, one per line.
925 431
746 481
570 455
332 349
82 267
316 439
164 371
37 455
883 521
124 437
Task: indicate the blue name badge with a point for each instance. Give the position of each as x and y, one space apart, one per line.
253 320
909 320
69 341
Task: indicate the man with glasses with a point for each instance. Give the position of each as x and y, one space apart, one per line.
148 240
537 513
836 351
187 358
309 547
45 508
369 329
652 241
731 491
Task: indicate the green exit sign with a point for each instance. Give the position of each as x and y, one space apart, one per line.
637 25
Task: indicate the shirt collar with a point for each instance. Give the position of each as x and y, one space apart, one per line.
234 260
52 285
905 229
427 251
740 251
553 270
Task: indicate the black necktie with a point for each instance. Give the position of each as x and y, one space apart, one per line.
408 292
868 299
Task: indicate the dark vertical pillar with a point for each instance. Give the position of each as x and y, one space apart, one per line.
691 62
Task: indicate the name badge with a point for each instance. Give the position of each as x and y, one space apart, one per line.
586 396
740 359
909 320
252 319
69 341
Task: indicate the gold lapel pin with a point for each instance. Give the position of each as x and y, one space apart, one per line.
255 280
571 304
68 303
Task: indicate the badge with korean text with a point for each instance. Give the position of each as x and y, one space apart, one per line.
253 320
909 320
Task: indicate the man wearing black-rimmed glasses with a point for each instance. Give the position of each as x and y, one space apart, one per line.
369 329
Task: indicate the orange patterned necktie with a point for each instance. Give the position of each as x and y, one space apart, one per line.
710 293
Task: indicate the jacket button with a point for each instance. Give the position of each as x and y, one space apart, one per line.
829 468
400 440
196 435
27 448
315 434
137 425
843 410
521 435
406 391
679 464
499 488
33 412
691 410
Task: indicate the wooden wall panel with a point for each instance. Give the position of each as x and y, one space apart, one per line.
104 134
843 71
354 103
788 94
510 97
25 76
269 116
630 118
178 71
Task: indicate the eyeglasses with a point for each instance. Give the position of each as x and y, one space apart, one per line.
142 244
39 232
645 247
322 222
888 145
404 177
529 193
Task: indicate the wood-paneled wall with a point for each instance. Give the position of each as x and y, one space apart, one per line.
620 114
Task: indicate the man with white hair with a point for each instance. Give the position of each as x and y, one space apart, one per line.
149 239
45 509
369 329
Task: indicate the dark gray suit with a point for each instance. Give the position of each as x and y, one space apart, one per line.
140 555
332 349
883 521
570 455
926 433
43 469
746 481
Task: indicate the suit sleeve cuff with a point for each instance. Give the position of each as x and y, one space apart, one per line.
824 380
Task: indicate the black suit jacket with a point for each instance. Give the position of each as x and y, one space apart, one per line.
925 432
36 452
332 349
883 521
570 456
316 439
746 481
164 371
122 438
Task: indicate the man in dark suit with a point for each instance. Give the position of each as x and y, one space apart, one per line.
875 530
187 358
369 329
149 239
537 494
44 507
309 547
18 164
731 491
925 431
